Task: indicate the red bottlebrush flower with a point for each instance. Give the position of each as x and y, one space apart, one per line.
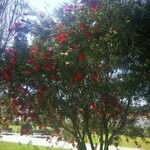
52 67
54 77
44 56
95 77
93 106
81 57
41 91
17 87
24 93
78 76
34 49
46 66
49 66
13 103
27 72
6 75
12 59
43 88
37 67
82 27
89 35
93 5
31 59
62 37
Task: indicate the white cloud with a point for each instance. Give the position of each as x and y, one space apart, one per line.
46 5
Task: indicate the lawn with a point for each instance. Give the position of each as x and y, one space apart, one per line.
124 143
14 146
131 143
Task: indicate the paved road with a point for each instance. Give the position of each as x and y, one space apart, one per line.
24 139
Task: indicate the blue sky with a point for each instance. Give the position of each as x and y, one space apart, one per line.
46 5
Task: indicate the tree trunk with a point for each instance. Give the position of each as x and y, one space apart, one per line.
106 139
106 146
81 146
101 140
101 136
90 139
78 136
86 117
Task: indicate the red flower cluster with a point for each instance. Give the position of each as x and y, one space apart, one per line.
93 5
31 59
37 67
44 56
17 87
54 77
25 92
7 74
93 106
49 66
46 66
34 48
95 77
13 103
41 91
81 57
82 27
89 35
62 37
12 58
78 76
27 72
52 66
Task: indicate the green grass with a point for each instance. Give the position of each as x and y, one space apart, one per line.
14 146
143 144
131 143
124 143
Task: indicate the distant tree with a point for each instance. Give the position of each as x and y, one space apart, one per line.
11 12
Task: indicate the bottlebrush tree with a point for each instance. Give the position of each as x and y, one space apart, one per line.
78 74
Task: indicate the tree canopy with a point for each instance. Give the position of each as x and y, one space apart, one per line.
83 71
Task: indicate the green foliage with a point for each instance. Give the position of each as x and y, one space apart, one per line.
15 128
82 71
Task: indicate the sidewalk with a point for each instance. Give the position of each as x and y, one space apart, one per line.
29 139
